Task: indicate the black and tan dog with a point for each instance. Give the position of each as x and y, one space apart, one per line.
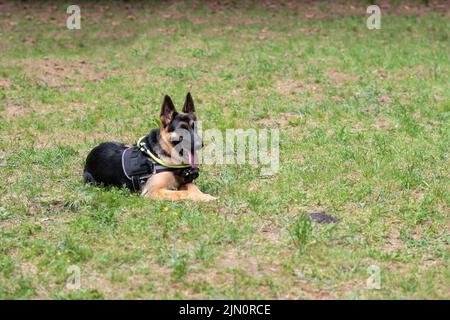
157 167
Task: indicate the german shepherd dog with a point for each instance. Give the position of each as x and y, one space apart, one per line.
104 164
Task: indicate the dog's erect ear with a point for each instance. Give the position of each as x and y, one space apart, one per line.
189 104
167 111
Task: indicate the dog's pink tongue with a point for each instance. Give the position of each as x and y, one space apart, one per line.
193 161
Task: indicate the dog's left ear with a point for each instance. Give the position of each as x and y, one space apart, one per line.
189 104
167 111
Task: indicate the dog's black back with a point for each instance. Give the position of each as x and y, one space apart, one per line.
104 165
104 162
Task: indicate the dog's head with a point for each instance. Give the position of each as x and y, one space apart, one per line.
179 137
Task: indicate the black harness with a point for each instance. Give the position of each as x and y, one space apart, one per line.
138 167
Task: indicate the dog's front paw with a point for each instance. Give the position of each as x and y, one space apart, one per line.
207 197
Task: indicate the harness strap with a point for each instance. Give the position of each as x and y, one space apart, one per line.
136 181
138 166
143 147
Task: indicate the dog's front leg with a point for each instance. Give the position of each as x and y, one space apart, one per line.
176 195
192 188
160 187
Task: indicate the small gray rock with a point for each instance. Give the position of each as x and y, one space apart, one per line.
322 217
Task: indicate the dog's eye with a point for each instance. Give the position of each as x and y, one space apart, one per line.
176 138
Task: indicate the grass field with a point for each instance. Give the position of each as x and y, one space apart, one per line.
364 129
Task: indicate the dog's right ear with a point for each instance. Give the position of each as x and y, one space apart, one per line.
189 104
167 111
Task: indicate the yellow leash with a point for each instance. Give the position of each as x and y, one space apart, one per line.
143 147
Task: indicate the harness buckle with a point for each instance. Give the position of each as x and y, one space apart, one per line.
190 174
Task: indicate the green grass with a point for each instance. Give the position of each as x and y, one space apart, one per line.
364 129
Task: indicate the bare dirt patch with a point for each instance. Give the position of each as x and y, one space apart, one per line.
339 77
13 110
283 120
232 259
385 99
393 242
6 224
382 123
55 72
28 268
291 87
271 233
5 83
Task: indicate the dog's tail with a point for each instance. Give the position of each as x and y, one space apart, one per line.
88 178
